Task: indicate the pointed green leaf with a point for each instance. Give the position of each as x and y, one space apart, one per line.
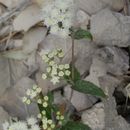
88 88
76 74
81 33
75 126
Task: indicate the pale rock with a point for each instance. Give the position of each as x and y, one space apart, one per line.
98 68
110 28
79 100
116 5
58 98
11 3
112 120
3 117
12 100
95 117
90 6
93 6
18 43
11 71
42 83
32 38
116 60
5 79
27 18
82 18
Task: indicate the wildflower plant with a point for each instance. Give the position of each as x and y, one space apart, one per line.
58 17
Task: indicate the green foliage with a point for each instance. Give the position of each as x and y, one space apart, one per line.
75 126
81 33
76 75
88 88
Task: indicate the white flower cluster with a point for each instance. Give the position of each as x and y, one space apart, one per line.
55 72
58 16
47 124
31 124
60 118
31 94
43 102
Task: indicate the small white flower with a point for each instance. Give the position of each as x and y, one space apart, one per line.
54 29
28 92
50 122
61 73
62 117
39 116
61 55
39 101
46 98
45 104
44 76
48 69
66 66
5 126
44 126
24 99
67 72
38 90
50 55
55 80
44 112
61 67
31 121
51 63
52 126
28 102
54 71
34 87
33 94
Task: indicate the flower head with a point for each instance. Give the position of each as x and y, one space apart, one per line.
58 16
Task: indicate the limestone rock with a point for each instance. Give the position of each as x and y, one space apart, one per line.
82 18
27 18
116 60
109 28
79 100
11 3
93 6
95 117
112 120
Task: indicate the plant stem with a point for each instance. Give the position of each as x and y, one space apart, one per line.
73 58
73 64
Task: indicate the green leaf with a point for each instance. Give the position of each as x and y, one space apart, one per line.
77 75
51 97
75 126
88 88
80 34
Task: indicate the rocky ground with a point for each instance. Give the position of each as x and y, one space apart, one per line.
104 61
